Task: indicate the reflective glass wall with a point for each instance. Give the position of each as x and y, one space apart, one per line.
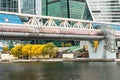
66 9
9 5
63 8
31 6
105 10
28 6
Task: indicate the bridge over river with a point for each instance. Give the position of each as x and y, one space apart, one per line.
46 27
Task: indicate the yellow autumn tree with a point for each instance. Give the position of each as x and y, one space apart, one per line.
13 52
40 49
44 51
26 51
17 51
36 50
68 44
49 49
5 49
53 52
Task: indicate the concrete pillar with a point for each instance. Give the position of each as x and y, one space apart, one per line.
99 53
110 55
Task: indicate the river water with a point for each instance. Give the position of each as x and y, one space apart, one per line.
60 71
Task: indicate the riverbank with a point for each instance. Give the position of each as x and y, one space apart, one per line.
34 60
89 60
62 60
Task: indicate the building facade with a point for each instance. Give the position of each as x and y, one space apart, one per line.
9 5
104 10
66 9
56 8
31 7
63 8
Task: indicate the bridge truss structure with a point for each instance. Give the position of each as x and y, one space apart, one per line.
47 27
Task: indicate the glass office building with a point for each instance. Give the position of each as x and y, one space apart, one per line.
31 6
104 10
9 5
66 9
57 8
63 8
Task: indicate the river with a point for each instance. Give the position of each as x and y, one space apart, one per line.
60 71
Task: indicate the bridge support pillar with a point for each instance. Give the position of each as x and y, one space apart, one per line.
111 55
99 52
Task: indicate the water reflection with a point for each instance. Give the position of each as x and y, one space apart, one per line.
60 71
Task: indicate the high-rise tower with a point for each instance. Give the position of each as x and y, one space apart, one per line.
63 8
32 7
104 10
9 5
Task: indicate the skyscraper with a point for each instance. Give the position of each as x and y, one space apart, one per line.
63 8
31 7
57 8
9 5
104 10
66 9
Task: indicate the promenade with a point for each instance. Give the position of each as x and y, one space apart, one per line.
34 60
62 60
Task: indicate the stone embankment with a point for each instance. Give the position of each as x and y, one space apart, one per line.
34 60
89 60
62 60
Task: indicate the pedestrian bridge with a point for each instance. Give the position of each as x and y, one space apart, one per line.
46 27
23 31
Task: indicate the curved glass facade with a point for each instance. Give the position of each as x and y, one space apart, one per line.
7 18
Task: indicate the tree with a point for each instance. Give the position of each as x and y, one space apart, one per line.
44 52
5 49
26 51
17 51
68 44
40 49
53 52
36 50
49 49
